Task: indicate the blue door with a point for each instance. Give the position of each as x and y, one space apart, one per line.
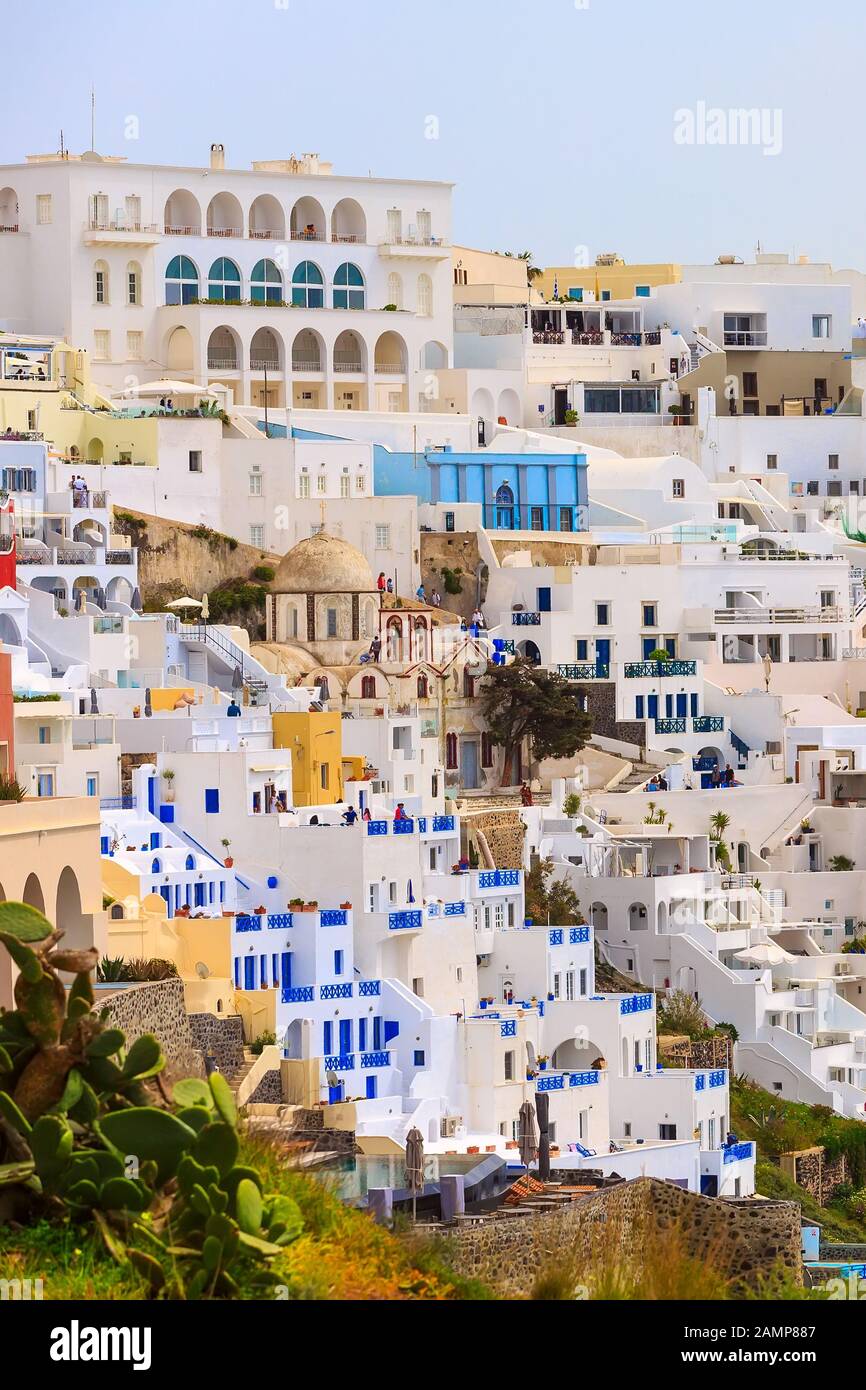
544 600
371 1088
286 970
335 1093
469 763
652 706
694 704
682 706
249 972
602 652
345 1036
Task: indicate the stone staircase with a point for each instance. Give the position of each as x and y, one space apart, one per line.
639 774
242 1072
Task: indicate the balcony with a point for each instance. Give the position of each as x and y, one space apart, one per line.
414 249
746 340
345 368
708 724
225 231
182 231
489 880
758 615
670 726
585 671
222 364
405 921
653 670
120 231
526 620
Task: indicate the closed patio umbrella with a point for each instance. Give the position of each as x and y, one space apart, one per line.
136 600
94 703
205 608
414 1176
527 1140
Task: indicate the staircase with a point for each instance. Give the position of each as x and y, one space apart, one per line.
640 773
242 1072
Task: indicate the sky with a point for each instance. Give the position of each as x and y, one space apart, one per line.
569 127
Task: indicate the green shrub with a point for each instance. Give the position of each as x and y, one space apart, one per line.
451 580
682 1013
264 573
841 864
266 1039
10 789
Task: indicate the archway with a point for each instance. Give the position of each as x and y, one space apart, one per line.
224 216
266 351
95 450
637 918
223 350
307 351
530 651
179 352
598 917
267 221
182 215
9 634
348 222
508 408
307 221
91 590
68 916
120 590
578 1053
349 354
8 210
481 408
51 584
434 356
390 355
33 893
394 639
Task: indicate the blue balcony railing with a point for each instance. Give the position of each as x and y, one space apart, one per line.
585 671
280 921
499 878
404 827
300 994
443 823
455 909
369 989
343 1063
334 917
375 1059
583 1078
550 1083
508 1029
117 803
340 991
646 670
578 936
719 1078
556 936
735 1153
377 827
670 726
404 921
526 619
635 1003
247 922
708 724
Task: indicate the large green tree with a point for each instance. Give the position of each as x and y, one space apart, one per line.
522 701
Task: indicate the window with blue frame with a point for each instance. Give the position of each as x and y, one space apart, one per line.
418 1058
649 615
649 645
693 705
638 707
377 1033
349 289
212 801
576 292
181 281
605 296
92 785
327 1037
641 291
224 280
308 286
582 649
362 1035
338 962
266 283
602 615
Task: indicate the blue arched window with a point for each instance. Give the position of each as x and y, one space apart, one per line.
224 280
190 861
504 508
156 867
181 281
349 291
308 286
266 283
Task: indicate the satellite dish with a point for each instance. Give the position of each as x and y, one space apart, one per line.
332 1078
202 970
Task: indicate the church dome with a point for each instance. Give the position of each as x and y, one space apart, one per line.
323 564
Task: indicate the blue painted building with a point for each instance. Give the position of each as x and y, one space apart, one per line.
530 491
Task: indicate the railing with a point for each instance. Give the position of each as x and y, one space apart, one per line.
635 1003
119 557
301 994
225 231
375 1059
708 724
12 227
556 936
369 989
754 339
299 366
389 368
526 620
578 936
739 745
245 922
344 1063
265 364
117 224
307 236
443 823
625 339
644 670
711 1079
223 364
334 917
266 234
670 726
345 367
735 1153
404 921
74 557
340 991
549 339
117 803
499 878
182 231
586 339
832 614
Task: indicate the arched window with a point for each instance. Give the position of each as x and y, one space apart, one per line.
349 292
100 283
394 639
308 290
156 867
116 912
368 688
181 281
425 295
423 688
468 684
395 289
190 862
486 750
266 283
451 752
133 283
224 280
505 508
420 640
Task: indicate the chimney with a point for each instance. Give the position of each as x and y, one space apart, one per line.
217 156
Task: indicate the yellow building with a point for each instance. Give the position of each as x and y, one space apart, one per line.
610 278
316 742
488 277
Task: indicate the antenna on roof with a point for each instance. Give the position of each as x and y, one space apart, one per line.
92 116
62 150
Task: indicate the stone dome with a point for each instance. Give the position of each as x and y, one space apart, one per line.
323 564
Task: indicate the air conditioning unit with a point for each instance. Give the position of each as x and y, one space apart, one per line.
449 1125
844 969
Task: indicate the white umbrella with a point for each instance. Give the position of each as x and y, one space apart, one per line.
185 602
171 388
765 953
205 608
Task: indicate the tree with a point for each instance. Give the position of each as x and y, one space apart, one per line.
555 902
523 701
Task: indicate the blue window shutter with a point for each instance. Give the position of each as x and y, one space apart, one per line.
286 969
371 1087
166 815
212 801
249 972
392 1028
327 1031
638 707
362 1035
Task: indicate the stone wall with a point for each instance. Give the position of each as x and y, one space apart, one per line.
812 1169
269 1090
157 1008
697 1055
171 555
601 702
308 1126
504 832
454 550
220 1038
746 1238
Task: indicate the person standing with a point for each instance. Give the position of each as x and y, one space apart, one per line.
376 647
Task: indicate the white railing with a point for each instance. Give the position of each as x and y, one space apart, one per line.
181 231
834 614
222 364
225 231
298 366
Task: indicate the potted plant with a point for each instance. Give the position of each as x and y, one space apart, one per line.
228 860
483 1003
345 907
550 995
168 778
542 1063
296 902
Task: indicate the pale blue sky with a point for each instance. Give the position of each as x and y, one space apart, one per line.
555 123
